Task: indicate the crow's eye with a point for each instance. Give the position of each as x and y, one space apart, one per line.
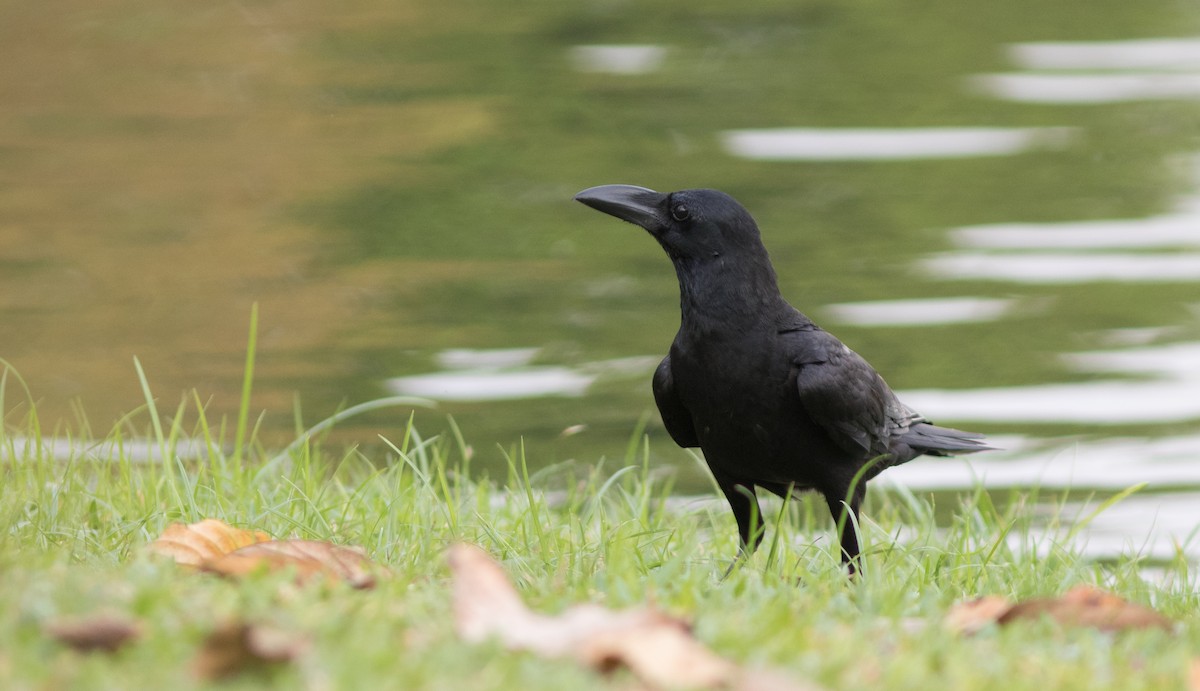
680 212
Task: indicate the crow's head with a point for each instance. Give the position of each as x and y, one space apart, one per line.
694 226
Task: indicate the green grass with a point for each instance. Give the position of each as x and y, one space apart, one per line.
76 523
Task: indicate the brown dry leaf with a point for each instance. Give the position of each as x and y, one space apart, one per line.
1083 605
97 632
1086 605
308 558
217 547
656 647
236 646
974 615
663 654
193 544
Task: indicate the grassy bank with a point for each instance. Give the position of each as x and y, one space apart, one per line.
78 515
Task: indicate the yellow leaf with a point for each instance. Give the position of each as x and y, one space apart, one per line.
193 544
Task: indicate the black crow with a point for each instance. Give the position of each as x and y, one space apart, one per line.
773 400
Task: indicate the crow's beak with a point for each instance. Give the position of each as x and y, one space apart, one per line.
637 205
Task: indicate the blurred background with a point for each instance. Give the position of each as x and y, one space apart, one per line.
997 204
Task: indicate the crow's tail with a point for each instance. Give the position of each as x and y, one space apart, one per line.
932 440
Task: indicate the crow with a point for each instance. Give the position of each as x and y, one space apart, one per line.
772 399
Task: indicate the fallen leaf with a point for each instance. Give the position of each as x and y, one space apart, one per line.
236 646
193 544
656 647
98 632
214 546
768 680
663 654
1085 605
308 558
974 615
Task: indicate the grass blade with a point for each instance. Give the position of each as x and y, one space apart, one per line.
239 439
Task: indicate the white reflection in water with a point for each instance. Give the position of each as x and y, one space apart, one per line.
1176 360
1143 54
1057 257
1048 267
1154 525
1099 403
1089 88
1135 336
1149 525
922 312
135 451
493 385
1173 396
1149 69
469 358
1108 464
505 374
618 59
851 144
1180 229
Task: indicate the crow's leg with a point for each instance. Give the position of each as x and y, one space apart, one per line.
844 506
744 503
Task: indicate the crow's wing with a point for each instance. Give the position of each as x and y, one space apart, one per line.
675 415
845 396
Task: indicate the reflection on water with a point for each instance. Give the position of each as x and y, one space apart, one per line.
1179 361
1169 518
493 384
877 144
1060 264
1108 464
1153 524
1166 529
135 451
1171 395
924 312
618 59
491 375
486 358
1050 268
1178 229
1089 88
505 374
1153 53
1088 403
1148 69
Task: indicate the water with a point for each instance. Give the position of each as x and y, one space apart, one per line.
877 144
628 59
1100 71
1001 217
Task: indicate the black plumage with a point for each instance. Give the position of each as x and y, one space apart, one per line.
773 400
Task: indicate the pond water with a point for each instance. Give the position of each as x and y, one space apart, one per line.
1000 213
